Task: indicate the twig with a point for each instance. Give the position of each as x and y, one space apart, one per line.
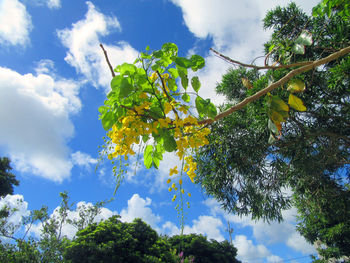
279 83
109 64
166 93
230 60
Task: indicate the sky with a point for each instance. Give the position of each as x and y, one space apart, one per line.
53 78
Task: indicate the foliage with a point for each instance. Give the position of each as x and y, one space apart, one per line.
147 110
7 179
51 244
251 173
114 241
202 250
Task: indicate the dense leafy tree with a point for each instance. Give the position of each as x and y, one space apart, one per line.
204 251
250 162
49 247
7 179
114 241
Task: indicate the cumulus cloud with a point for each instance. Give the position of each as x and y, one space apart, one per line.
15 23
54 4
235 28
268 233
17 208
140 208
36 131
83 159
84 53
208 226
68 230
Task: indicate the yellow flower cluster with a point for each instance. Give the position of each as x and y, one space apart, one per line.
137 122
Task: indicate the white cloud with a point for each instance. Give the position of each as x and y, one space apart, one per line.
140 208
236 30
268 233
54 4
15 23
68 230
298 243
18 208
83 159
85 54
38 126
247 251
208 226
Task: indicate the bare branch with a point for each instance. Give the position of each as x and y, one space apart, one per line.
109 64
279 83
230 60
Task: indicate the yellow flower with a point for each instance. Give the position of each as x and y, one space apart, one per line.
182 191
189 194
173 185
183 108
164 122
174 198
180 182
167 107
143 95
170 189
173 171
168 181
153 77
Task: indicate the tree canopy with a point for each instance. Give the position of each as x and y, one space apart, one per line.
257 156
7 179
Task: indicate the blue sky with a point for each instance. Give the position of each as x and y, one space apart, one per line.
53 78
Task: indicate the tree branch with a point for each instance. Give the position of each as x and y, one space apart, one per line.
230 60
279 83
109 64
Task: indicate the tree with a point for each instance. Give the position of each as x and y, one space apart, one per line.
297 137
202 250
7 179
51 244
255 154
114 241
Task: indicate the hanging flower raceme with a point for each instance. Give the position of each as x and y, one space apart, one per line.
148 109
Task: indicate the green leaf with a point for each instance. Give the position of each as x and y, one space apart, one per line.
157 155
298 49
183 62
126 69
147 156
272 139
272 127
201 106
296 103
173 72
170 49
183 75
157 53
296 85
196 84
197 62
125 88
212 111
172 84
278 104
169 142
107 120
145 138
115 83
305 38
276 117
186 97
